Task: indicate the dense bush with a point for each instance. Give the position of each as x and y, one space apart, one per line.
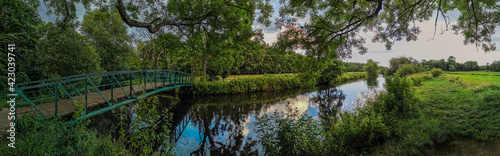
399 101
293 134
37 136
407 69
354 134
436 72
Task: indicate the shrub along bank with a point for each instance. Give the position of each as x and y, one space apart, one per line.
257 84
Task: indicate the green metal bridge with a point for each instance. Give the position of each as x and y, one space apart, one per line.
111 90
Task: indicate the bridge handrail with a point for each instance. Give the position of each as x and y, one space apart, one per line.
85 76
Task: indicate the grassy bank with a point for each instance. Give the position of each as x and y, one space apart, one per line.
436 116
460 110
256 83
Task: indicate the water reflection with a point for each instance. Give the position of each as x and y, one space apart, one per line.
330 103
226 124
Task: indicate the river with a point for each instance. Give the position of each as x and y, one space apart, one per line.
226 124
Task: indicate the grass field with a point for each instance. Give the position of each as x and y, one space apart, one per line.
466 107
478 77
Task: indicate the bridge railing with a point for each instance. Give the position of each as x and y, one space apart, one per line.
58 96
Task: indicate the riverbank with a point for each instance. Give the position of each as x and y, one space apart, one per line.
440 115
257 83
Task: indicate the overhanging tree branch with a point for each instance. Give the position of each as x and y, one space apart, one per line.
153 26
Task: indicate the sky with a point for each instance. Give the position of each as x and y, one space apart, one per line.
441 47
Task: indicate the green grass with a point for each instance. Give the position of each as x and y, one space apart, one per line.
469 110
459 111
474 73
478 78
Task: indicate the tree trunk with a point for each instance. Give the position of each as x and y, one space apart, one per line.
157 63
204 67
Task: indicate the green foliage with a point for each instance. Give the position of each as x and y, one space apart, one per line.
348 77
354 67
400 101
436 72
355 134
407 69
62 53
416 81
293 134
452 65
371 69
331 74
494 66
109 37
403 66
37 136
146 132
244 85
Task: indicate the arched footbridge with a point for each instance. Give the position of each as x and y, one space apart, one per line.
96 93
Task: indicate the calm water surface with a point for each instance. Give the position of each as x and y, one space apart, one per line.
226 124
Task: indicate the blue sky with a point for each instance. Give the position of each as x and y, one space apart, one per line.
441 47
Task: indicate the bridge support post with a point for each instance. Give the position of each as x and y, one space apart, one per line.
86 84
112 88
55 97
145 84
130 84
155 79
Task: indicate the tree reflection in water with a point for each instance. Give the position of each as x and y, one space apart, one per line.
221 121
330 101
372 83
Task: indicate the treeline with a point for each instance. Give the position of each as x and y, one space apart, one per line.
451 65
354 66
407 65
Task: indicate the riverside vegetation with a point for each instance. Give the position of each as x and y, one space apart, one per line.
52 136
415 115
260 83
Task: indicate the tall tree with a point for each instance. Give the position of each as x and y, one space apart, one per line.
108 34
65 53
21 26
371 68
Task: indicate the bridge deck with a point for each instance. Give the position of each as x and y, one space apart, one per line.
66 107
